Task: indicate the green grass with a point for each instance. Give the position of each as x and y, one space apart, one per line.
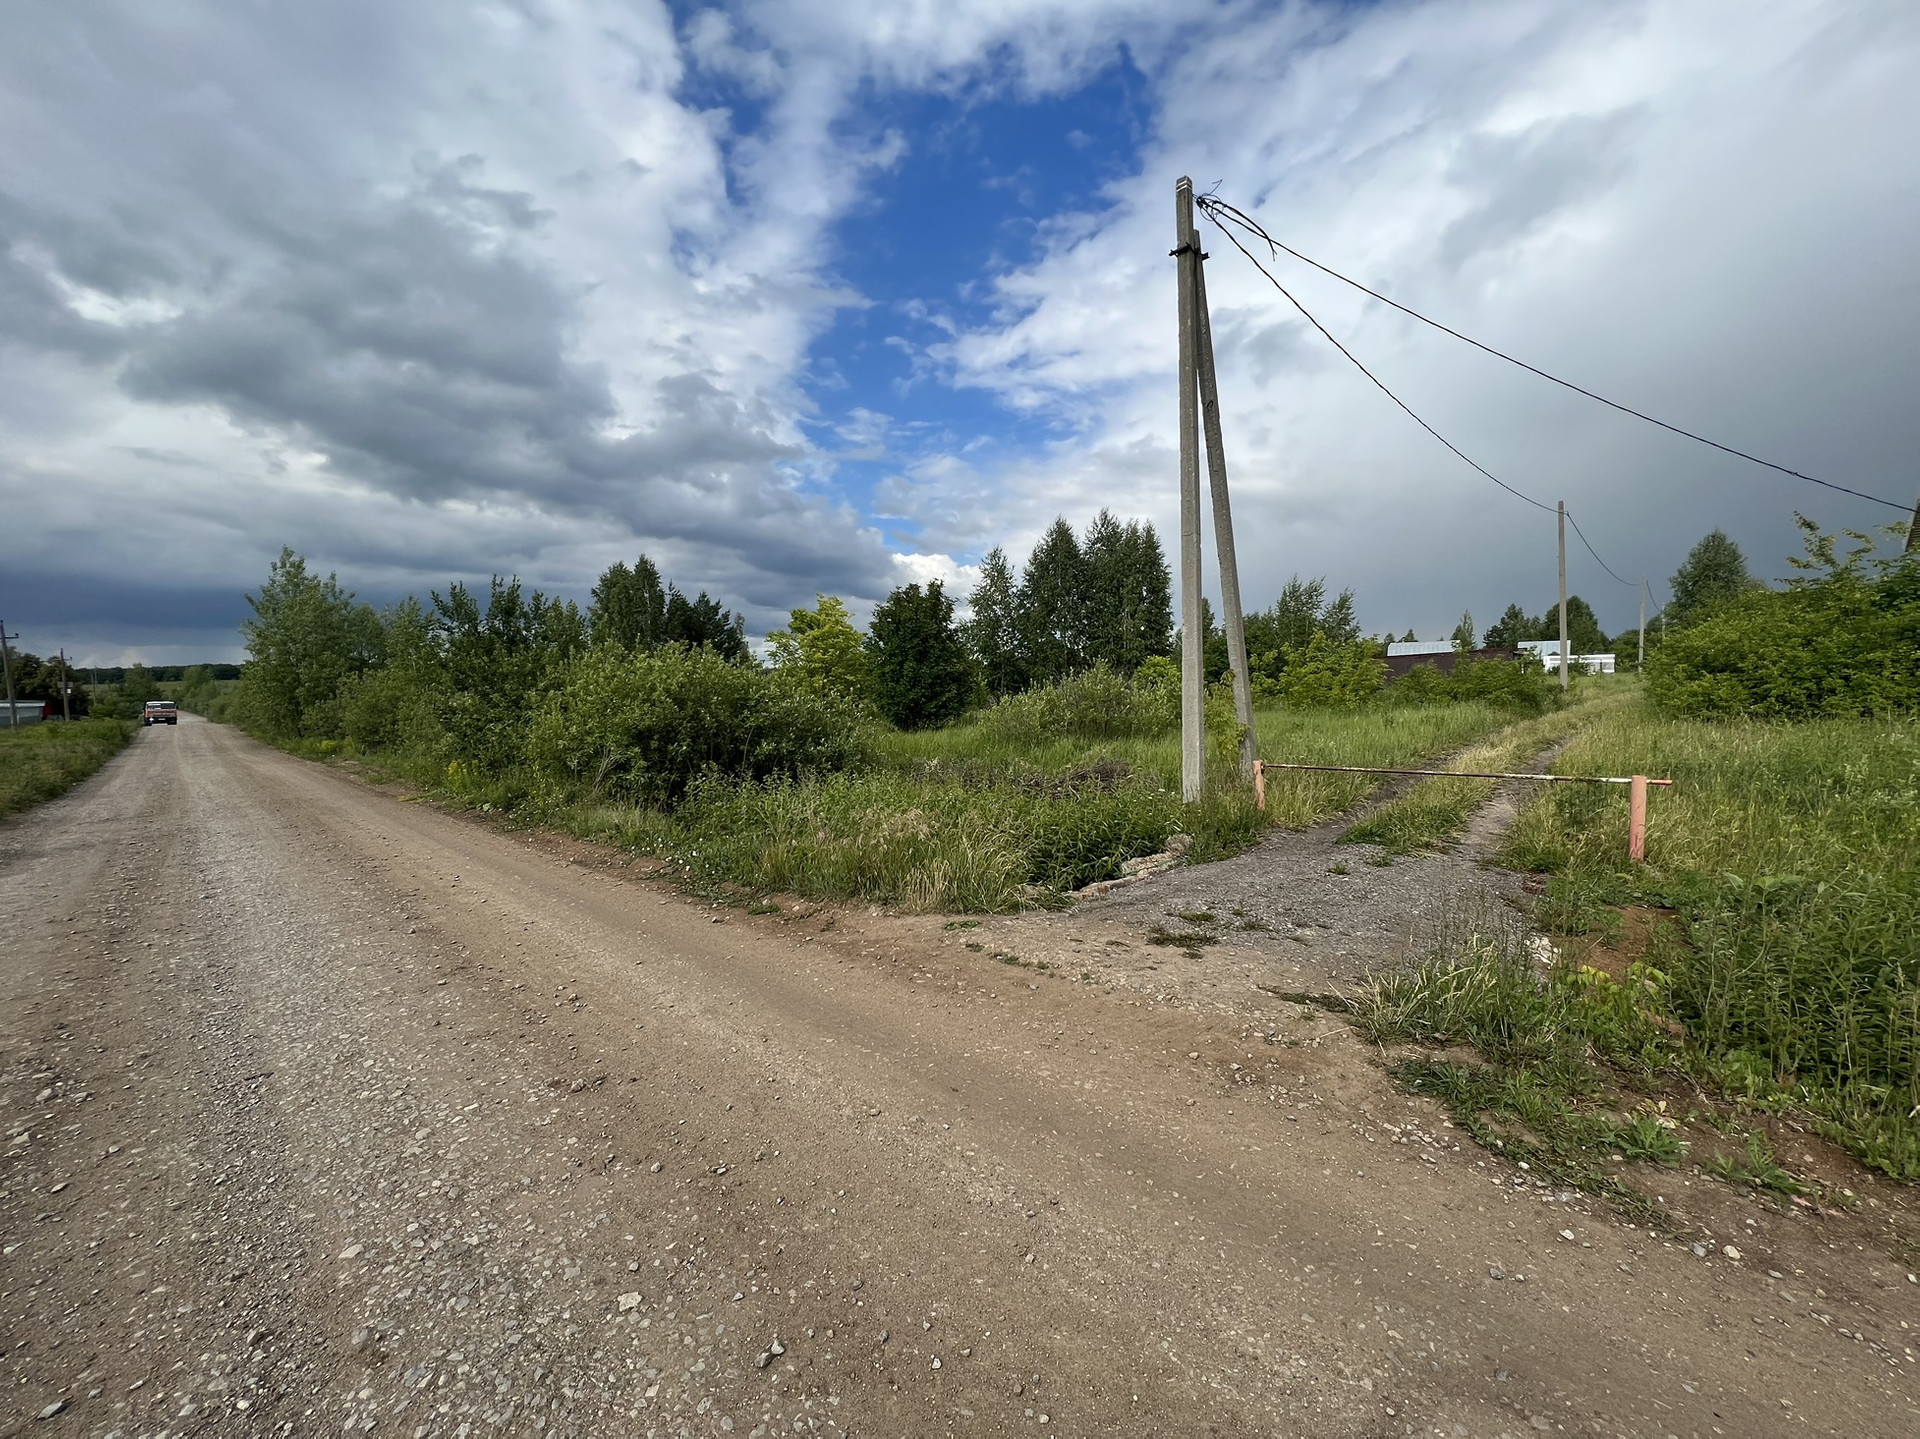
1791 853
966 819
1433 811
41 761
1789 978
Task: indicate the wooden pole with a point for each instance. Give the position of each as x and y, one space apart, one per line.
1193 639
1230 614
1564 661
1641 663
1913 531
1637 820
6 668
1260 785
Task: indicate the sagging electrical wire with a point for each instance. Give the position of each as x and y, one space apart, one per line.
1595 553
1381 384
1222 215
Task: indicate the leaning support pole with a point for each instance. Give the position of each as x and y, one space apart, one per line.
1193 712
1230 615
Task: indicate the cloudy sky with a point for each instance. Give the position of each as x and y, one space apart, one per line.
818 296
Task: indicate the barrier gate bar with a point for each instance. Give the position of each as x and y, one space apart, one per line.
1637 785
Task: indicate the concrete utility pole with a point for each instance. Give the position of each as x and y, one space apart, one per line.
1230 614
1563 597
6 668
1641 663
1913 530
1193 712
66 687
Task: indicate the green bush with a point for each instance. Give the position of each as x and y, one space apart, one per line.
648 726
953 843
1328 672
1094 704
1843 646
390 710
1517 685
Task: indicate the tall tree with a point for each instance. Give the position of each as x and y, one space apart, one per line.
306 635
1129 595
1463 633
1513 626
495 658
1053 605
1584 635
994 632
921 673
1714 571
702 624
629 606
822 646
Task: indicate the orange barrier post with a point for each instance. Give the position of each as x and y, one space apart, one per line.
1260 785
1637 820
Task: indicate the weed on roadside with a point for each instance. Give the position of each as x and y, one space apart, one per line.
1787 854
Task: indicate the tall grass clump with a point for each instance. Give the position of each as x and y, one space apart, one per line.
1789 852
39 762
925 844
1434 810
1539 1032
1096 704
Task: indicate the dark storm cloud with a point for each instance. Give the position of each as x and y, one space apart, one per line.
289 246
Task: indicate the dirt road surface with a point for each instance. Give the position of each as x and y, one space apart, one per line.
330 1112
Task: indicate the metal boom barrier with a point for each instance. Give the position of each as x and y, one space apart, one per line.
1638 784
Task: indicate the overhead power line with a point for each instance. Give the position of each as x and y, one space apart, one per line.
1630 584
1222 214
1377 380
1382 386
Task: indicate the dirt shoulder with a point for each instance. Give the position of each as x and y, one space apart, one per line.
339 1111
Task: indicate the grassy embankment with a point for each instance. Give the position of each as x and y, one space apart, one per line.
969 819
41 761
1767 955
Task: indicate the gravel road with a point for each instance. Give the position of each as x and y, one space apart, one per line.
329 1112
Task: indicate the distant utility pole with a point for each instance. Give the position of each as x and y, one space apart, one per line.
1913 530
66 687
6 668
1199 394
1564 661
1641 663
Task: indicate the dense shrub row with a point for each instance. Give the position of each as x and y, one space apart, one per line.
1843 645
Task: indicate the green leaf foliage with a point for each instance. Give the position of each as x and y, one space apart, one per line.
1845 645
650 726
1713 573
1330 672
305 637
822 647
921 673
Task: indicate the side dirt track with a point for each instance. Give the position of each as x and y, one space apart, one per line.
332 1113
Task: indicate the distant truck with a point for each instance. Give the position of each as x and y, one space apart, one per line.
160 712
